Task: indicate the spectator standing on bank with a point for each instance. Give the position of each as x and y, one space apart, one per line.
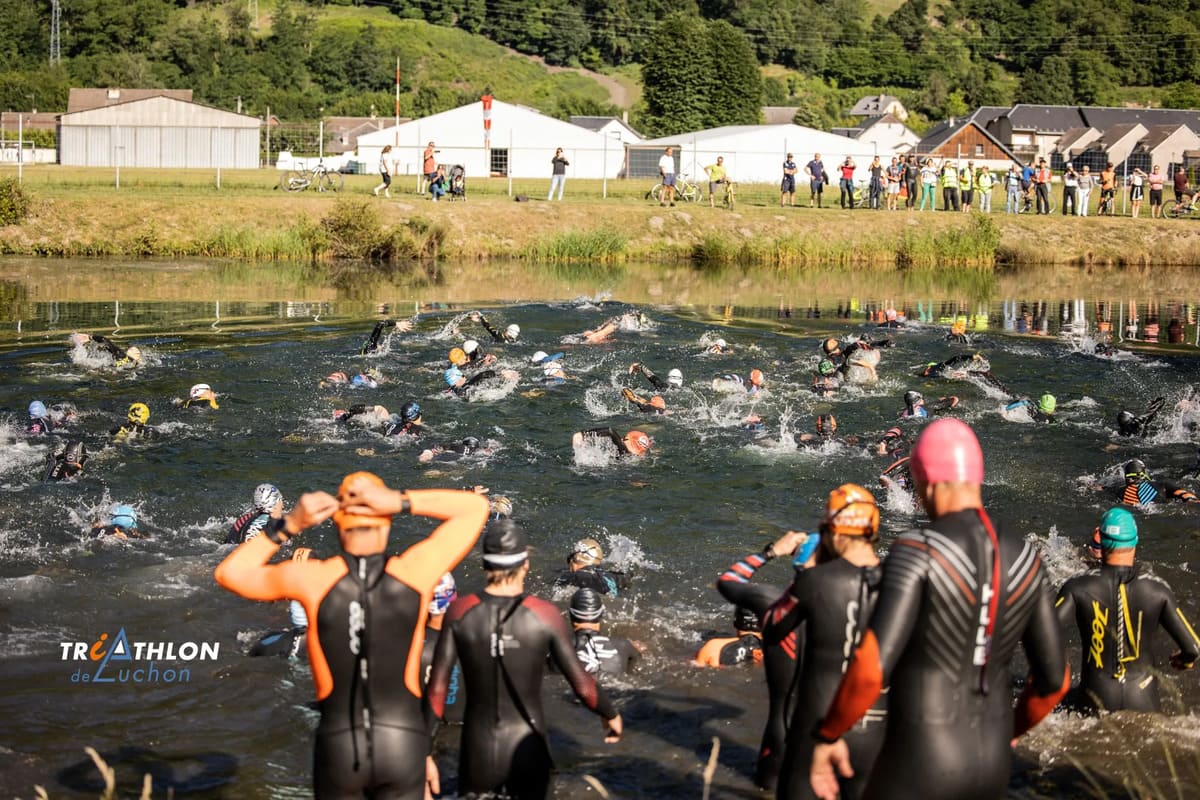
983 187
846 184
666 168
1137 190
949 186
385 173
787 187
558 174
1156 179
428 167
817 178
1087 181
1012 189
1042 177
1070 183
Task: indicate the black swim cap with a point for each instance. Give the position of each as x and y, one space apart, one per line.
504 545
1135 469
586 606
470 445
410 411
745 620
911 398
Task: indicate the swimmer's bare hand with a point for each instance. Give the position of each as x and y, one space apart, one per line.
613 728
480 489
365 498
311 509
404 325
432 781
829 761
634 367
476 316
787 544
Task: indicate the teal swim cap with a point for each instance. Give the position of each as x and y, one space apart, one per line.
1047 404
1118 530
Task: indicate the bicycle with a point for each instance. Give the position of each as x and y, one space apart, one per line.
1028 204
730 195
1105 209
685 190
297 180
1182 210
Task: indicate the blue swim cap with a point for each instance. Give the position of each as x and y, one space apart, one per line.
37 409
124 516
806 549
1118 530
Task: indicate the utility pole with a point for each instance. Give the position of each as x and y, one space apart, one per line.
55 31
253 9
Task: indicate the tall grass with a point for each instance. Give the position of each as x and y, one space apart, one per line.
602 245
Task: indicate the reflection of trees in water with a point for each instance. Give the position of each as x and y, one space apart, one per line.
14 298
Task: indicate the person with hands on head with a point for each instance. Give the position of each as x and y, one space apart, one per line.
367 616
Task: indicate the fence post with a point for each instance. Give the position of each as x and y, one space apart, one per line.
218 160
509 166
20 147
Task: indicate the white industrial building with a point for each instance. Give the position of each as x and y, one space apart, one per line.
158 131
522 143
755 153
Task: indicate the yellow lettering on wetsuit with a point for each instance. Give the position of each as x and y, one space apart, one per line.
1099 625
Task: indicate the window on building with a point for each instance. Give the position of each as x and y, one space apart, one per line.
499 164
979 151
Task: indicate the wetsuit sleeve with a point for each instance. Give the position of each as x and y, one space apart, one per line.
463 515
562 654
786 613
655 381
1178 627
108 346
444 657
734 585
246 572
1050 673
1064 606
606 433
887 634
487 326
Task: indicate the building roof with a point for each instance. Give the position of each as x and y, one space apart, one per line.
597 123
159 111
1046 119
873 105
1157 134
985 114
1114 134
1076 138
1104 117
30 121
944 131
779 115
86 99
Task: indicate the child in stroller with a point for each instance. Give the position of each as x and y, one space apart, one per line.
458 182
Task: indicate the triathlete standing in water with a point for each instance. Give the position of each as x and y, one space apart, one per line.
833 601
367 623
956 599
1115 608
503 638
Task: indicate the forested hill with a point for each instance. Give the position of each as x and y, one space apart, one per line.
941 58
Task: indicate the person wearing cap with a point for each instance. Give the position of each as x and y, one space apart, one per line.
832 601
655 404
602 333
476 357
267 505
674 377
780 655
745 646
553 373
599 654
445 593
634 443
369 611
1139 490
501 506
122 524
1130 424
719 347
135 426
67 463
1115 608
825 382
201 396
503 638
40 422
1041 411
408 422
957 597
585 570
97 346
826 426
510 334
365 415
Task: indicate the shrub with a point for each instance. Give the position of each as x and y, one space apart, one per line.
15 202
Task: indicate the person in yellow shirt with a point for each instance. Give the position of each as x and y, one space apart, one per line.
716 175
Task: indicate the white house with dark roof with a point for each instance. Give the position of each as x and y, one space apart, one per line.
877 105
609 126
887 134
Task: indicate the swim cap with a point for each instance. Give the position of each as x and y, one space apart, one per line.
470 346
827 424
756 377
124 516
1047 404
139 413
1135 470
504 545
826 367
947 451
266 496
720 343
134 353
346 521
337 377
37 409
911 398
443 595
1118 530
804 552
1126 420
512 332
410 411
850 510
830 346
197 392
538 357
364 380
75 452
586 606
745 620
452 375
675 378
470 444
658 402
587 552
457 357
501 506
637 442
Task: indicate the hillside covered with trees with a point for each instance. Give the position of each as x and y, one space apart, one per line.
699 60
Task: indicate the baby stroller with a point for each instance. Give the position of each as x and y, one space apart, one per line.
458 183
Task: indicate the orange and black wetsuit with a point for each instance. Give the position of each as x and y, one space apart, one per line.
833 601
1115 608
725 651
1143 492
366 630
779 660
502 644
942 640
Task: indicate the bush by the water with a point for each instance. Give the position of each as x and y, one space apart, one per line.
14 202
354 230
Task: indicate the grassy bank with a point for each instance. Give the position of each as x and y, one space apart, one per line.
78 212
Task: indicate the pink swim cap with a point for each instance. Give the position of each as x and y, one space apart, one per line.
947 452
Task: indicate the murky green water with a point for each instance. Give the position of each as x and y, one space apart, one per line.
708 494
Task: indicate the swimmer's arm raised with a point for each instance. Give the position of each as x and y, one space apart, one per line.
464 514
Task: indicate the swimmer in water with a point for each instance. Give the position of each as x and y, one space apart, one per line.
39 423
744 647
376 341
826 425
599 654
1118 670
201 396
1041 411
958 332
674 377
135 426
914 405
585 570
553 373
291 643
1139 490
476 358
655 404
826 382
634 443
453 451
364 415
267 505
719 348
456 381
408 422
122 524
1130 424
67 463
97 345
510 334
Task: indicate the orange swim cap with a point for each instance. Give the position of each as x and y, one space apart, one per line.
756 377
658 402
457 357
346 521
637 442
850 510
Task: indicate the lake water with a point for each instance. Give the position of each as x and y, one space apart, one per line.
263 337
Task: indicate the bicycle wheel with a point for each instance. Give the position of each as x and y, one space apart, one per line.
293 181
689 192
656 193
336 181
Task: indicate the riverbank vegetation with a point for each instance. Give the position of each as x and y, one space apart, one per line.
79 212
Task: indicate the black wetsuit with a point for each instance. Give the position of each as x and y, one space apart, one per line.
403 429
1140 425
607 433
593 577
472 381
943 645
104 345
496 335
779 660
247 526
658 383
1115 609
372 344
604 655
502 644
58 468
833 601
456 696
291 643
454 451
726 651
